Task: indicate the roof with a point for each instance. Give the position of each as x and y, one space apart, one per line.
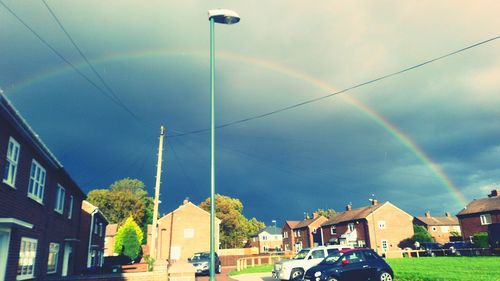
451 220
481 206
354 214
188 204
29 134
292 224
111 229
307 222
90 208
273 230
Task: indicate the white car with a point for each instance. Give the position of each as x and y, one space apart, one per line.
295 268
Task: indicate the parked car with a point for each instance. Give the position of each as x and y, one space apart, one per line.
295 268
431 248
201 263
351 265
459 248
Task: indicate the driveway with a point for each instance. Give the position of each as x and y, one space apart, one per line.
223 276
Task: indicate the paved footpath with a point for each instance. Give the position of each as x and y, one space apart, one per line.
223 276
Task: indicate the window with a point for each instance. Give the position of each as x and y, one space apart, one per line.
9 176
188 232
101 226
297 232
285 234
266 248
318 254
314 230
61 192
445 229
333 230
353 257
70 209
381 224
37 182
370 256
385 245
264 237
485 219
287 247
351 227
53 257
27 258
96 225
361 243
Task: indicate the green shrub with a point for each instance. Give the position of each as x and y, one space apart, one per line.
480 240
128 239
421 234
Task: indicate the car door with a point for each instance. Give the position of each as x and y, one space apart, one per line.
370 264
354 267
315 257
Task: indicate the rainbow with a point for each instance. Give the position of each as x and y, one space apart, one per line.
273 66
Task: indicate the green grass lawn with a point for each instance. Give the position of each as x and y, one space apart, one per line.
446 268
430 269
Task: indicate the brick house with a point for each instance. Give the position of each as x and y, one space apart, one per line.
109 240
440 228
93 231
183 232
289 236
381 222
303 234
269 239
39 205
480 213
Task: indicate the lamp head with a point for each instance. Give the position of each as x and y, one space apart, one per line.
223 16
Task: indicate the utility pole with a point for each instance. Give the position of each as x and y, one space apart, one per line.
157 195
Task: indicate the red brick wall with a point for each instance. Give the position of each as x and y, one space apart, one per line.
49 226
471 224
288 241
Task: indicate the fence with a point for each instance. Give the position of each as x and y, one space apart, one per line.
257 260
439 252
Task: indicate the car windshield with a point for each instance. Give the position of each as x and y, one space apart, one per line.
301 255
331 258
200 256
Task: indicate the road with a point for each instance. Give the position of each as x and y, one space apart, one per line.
223 276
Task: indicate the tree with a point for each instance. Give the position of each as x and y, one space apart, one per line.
421 234
128 239
235 228
480 240
327 213
124 198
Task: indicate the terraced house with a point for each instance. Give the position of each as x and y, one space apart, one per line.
303 234
380 226
479 214
39 205
442 229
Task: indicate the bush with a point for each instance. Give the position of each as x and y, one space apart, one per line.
480 240
421 234
128 239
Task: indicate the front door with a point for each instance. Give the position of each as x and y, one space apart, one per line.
4 251
68 253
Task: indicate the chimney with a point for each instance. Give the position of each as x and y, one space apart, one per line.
447 214
315 215
348 207
185 201
374 202
494 193
427 214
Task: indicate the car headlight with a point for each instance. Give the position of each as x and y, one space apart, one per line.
317 274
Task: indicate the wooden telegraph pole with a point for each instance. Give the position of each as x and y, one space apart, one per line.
154 230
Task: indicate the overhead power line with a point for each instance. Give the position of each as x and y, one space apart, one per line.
48 45
339 92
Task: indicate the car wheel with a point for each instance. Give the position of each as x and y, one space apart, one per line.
332 279
385 276
219 269
433 254
296 274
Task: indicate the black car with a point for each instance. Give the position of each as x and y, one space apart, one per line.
351 265
431 249
201 263
459 248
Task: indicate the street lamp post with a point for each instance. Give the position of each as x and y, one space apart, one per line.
222 16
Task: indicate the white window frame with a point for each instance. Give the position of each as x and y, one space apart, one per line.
96 225
333 230
70 207
101 227
36 186
285 234
54 250
60 197
264 237
351 227
298 233
27 259
12 159
381 224
314 230
485 219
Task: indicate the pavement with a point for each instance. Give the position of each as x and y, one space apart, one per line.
223 276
